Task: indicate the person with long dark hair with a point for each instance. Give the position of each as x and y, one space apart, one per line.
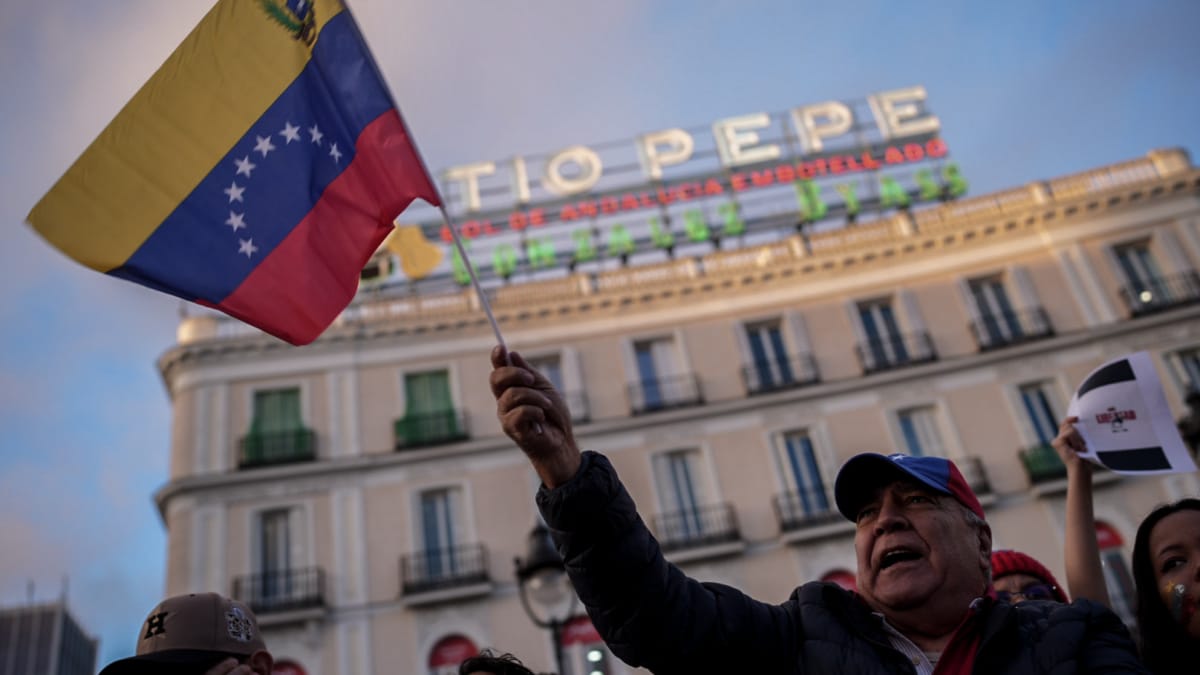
1166 571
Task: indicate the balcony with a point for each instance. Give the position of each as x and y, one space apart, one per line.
770 375
441 574
976 477
1042 464
805 509
993 331
257 449
664 393
283 591
897 351
430 429
1161 293
705 531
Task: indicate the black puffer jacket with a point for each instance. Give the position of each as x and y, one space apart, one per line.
652 615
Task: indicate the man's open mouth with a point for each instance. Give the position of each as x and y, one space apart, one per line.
896 556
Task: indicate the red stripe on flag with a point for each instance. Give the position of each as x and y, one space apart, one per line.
312 275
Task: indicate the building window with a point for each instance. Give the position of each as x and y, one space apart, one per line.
919 428
1189 369
1139 267
661 382
277 539
551 367
797 464
884 341
770 366
440 532
277 433
998 323
1116 572
676 474
430 417
1043 420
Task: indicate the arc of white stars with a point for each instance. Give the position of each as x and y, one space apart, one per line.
335 153
244 166
234 192
236 220
291 133
247 247
315 134
264 145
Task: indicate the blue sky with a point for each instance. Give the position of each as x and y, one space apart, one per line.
1024 89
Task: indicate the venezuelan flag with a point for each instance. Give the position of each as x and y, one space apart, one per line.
256 171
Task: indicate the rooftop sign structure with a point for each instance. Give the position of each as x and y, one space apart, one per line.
746 180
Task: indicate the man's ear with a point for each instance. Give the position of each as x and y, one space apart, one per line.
261 662
985 546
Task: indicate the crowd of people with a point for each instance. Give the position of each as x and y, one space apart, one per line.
932 597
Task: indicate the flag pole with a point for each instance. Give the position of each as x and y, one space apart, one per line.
483 301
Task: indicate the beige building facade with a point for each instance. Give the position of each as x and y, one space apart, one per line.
360 495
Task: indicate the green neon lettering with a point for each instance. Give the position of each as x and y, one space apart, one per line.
808 198
585 250
504 260
929 187
891 194
619 241
695 226
734 225
662 238
956 185
847 192
540 253
458 268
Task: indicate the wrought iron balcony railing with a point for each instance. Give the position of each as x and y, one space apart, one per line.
698 527
896 351
797 510
281 590
975 475
276 447
664 393
992 331
427 429
780 373
1161 293
440 569
1042 464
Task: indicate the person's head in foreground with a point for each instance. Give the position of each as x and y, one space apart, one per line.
488 662
923 546
1018 577
1166 570
197 634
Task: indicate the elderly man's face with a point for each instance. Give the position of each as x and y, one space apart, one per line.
913 543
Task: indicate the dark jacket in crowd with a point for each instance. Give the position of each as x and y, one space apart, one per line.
654 616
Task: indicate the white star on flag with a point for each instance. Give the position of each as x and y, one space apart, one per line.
334 153
247 246
316 134
290 132
244 166
235 193
236 221
264 145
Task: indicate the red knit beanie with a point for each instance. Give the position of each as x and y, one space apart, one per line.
1014 562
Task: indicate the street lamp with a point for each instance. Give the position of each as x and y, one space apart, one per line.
546 592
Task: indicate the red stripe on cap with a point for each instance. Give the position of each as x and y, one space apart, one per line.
302 286
962 491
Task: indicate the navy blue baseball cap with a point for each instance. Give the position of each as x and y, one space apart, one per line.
861 476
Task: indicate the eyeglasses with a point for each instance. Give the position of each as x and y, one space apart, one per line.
1030 592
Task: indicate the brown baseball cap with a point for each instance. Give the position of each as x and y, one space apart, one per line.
190 634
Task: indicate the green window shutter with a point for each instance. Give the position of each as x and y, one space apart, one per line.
429 409
277 410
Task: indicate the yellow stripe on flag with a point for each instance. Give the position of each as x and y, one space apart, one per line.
172 133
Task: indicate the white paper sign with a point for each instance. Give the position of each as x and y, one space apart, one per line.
1125 421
